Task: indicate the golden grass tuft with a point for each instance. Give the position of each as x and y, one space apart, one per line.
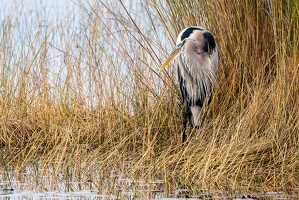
106 107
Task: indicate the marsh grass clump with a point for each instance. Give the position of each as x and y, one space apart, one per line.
91 103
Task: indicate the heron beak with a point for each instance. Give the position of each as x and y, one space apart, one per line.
172 56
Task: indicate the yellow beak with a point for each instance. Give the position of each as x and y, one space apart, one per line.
172 56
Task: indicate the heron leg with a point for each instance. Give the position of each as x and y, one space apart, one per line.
185 120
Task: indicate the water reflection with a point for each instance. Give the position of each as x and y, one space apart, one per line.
27 185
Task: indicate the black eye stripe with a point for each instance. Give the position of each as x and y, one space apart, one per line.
210 43
188 32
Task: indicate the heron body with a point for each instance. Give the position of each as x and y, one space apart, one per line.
196 58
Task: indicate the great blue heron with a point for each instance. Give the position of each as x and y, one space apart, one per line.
196 58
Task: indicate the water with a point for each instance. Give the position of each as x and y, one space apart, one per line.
27 185
30 185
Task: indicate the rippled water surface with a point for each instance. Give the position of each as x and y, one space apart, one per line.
28 185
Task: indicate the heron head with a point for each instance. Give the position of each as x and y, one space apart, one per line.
196 33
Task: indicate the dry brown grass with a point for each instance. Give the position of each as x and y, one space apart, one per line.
107 107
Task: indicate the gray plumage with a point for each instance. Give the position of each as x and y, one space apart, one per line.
197 67
196 58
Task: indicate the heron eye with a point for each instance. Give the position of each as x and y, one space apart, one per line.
181 44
